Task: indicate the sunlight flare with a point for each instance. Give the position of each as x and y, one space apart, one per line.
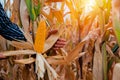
89 5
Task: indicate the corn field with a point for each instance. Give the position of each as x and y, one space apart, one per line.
91 29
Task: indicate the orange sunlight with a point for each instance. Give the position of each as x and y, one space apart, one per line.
89 5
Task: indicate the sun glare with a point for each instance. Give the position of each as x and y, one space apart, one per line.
89 5
91 2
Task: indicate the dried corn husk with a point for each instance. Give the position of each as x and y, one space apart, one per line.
42 65
18 52
25 61
21 45
52 39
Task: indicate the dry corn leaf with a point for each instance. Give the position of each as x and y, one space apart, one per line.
64 53
70 5
48 16
58 14
80 55
116 72
49 75
40 37
21 45
75 52
97 63
77 3
3 43
56 62
49 68
68 73
25 61
62 7
24 16
94 34
18 52
15 12
28 37
74 13
52 39
56 57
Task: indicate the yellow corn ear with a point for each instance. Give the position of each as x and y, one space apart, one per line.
40 37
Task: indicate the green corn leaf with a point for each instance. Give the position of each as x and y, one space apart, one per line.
110 62
33 14
37 8
116 26
104 54
31 9
115 48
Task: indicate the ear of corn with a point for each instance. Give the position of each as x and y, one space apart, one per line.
40 37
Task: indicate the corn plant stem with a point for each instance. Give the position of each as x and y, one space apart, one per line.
104 54
32 26
81 65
